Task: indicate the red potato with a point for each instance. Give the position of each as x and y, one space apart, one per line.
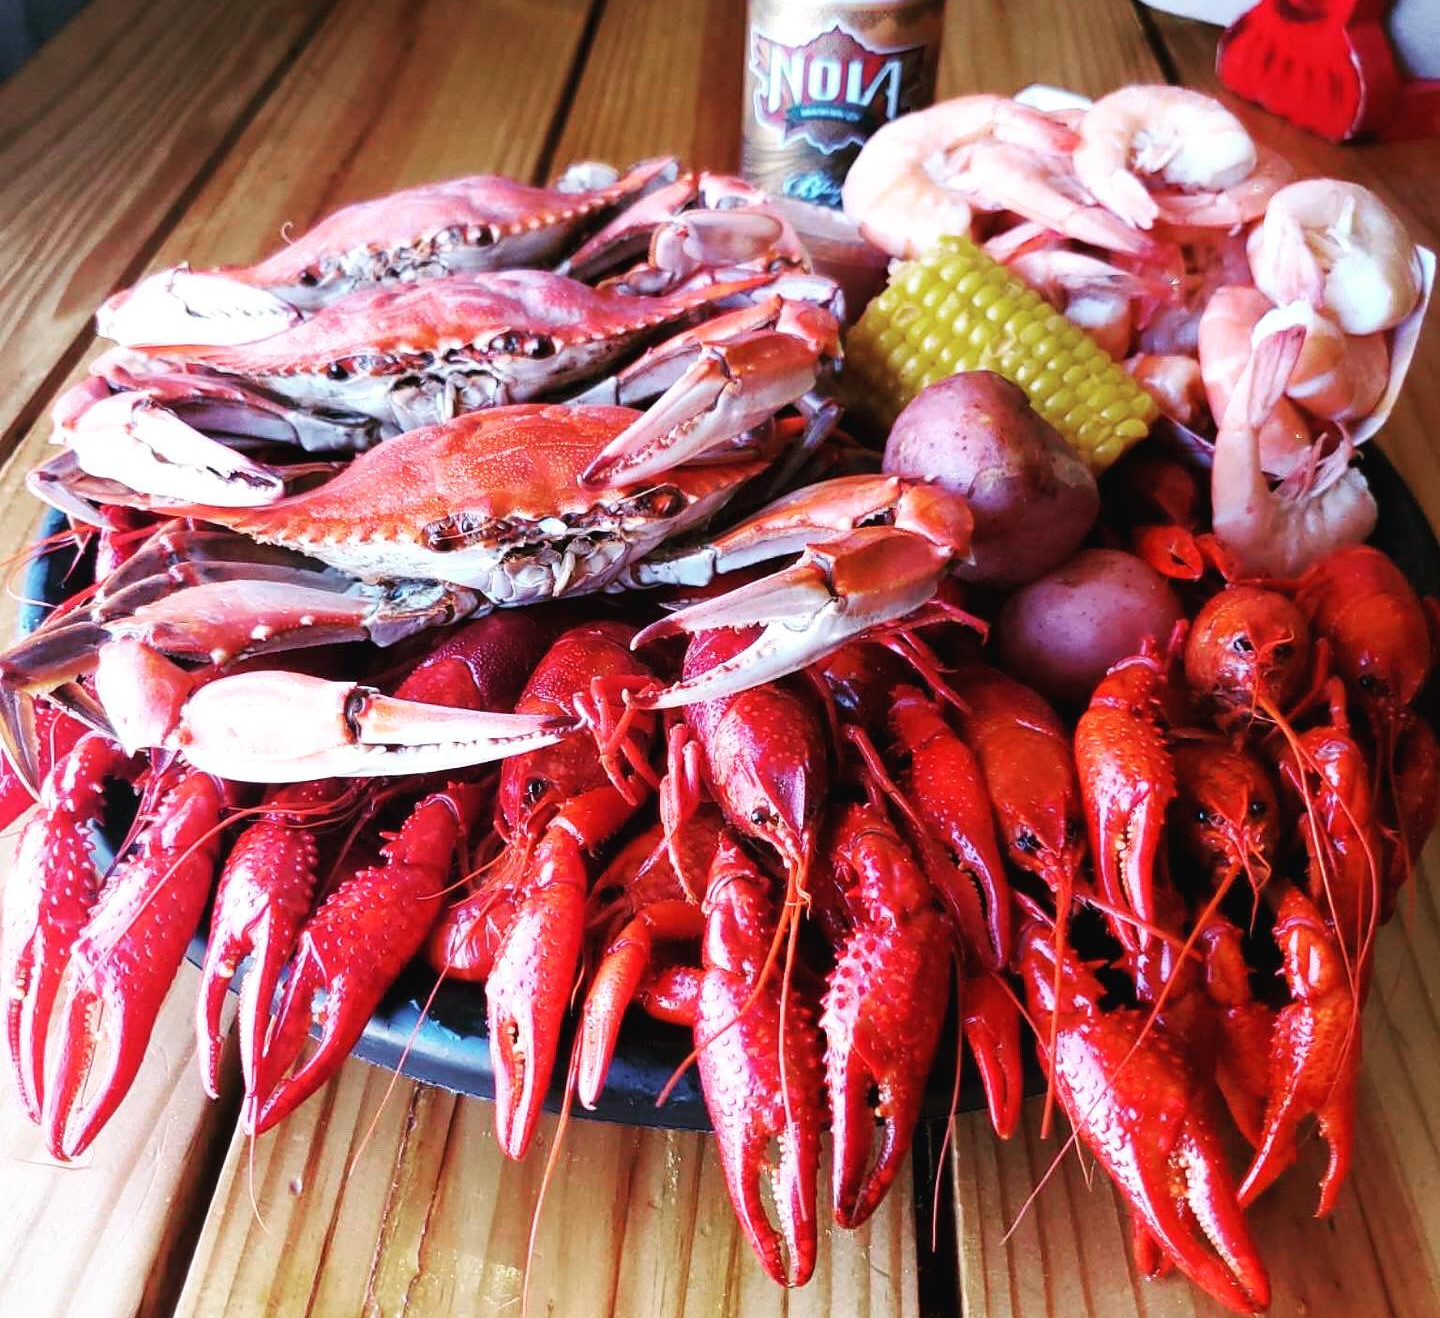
1034 500
1059 634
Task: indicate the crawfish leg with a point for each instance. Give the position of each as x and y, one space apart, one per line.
127 955
760 1070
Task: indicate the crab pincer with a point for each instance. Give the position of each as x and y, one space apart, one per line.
125 957
883 1012
760 1069
1314 1052
350 951
1133 1099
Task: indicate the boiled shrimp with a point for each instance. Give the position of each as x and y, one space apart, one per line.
1338 247
1337 376
923 176
1166 153
1094 294
1323 504
1196 263
1173 381
1226 330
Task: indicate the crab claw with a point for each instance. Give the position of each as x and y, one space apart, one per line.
350 951
1130 1095
181 307
313 728
834 593
49 895
1314 1053
738 371
133 439
124 960
760 1073
991 1020
882 1012
261 902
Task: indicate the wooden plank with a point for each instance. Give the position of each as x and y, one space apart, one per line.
661 77
102 135
428 1217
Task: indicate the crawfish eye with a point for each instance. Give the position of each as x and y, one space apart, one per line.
534 790
760 816
337 372
308 279
506 343
1202 815
1027 842
1366 682
1242 645
540 347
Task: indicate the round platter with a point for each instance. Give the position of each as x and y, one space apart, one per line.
450 1046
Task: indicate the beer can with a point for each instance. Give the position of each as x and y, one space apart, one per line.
821 77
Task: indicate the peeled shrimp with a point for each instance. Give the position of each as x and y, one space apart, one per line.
1323 504
1095 295
1227 326
922 176
1166 153
1338 247
1337 376
1173 381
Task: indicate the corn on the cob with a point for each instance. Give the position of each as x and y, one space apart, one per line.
956 309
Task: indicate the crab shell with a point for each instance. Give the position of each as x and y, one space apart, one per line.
492 502
424 352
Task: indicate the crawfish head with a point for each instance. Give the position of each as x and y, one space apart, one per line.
1225 814
1248 651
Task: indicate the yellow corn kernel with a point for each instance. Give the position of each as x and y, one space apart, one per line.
956 309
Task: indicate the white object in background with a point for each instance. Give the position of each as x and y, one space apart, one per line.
1223 12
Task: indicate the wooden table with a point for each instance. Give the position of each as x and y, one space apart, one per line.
194 129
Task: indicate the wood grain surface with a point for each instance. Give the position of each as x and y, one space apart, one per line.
151 133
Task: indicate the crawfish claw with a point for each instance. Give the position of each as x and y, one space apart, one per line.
991 1019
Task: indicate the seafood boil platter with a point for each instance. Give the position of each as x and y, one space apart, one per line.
506 611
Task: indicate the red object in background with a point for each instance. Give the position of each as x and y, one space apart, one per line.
1327 65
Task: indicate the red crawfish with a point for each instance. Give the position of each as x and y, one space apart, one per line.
1127 781
1314 1052
642 906
267 888
1379 641
121 936
1132 1098
556 806
759 1057
884 1004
